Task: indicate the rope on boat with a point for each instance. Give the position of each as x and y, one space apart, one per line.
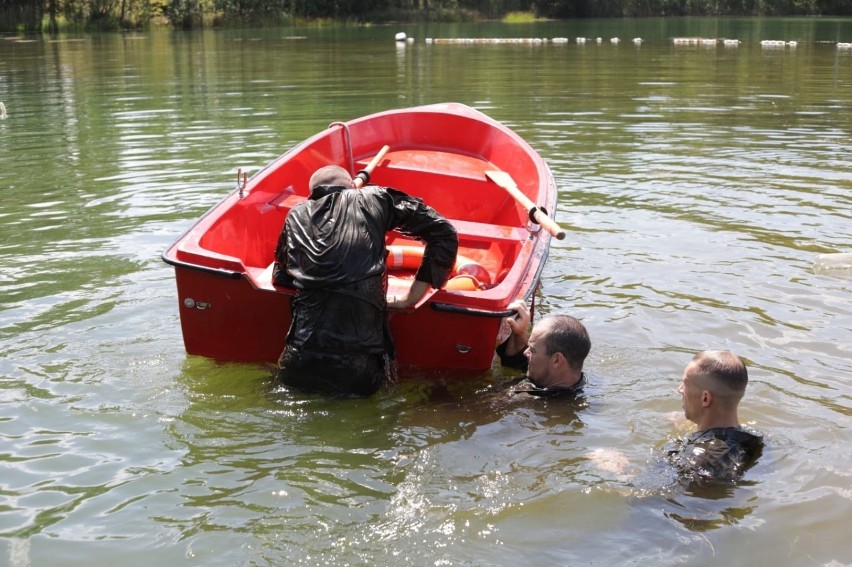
532 302
241 183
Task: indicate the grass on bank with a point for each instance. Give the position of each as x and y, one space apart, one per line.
520 18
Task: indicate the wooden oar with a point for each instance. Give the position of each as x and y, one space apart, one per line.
505 181
360 180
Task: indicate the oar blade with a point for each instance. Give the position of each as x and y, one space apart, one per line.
501 178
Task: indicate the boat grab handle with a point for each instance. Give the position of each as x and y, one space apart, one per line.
449 308
215 271
348 141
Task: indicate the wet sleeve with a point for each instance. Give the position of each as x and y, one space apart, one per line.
517 360
411 217
279 271
707 460
679 456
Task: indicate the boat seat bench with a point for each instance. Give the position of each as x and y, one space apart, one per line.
486 231
470 230
467 230
437 162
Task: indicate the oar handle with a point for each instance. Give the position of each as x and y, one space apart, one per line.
537 215
363 176
547 223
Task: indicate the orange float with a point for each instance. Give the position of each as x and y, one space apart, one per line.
467 274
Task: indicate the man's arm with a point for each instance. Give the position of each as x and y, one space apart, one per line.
511 351
279 271
412 217
417 290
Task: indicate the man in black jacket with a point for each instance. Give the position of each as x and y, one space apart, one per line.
332 249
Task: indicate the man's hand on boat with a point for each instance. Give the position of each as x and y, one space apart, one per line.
418 289
520 326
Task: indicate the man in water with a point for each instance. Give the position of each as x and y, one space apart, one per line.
332 250
552 355
711 388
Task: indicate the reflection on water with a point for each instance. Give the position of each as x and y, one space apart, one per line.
698 185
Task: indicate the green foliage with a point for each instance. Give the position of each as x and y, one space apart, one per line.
21 15
51 15
519 17
184 14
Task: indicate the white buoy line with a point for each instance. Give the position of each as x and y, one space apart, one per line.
679 41
765 43
526 40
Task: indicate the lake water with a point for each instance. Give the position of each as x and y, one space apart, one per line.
698 185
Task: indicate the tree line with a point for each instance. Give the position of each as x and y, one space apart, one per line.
55 15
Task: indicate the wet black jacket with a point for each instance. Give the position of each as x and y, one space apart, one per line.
517 361
528 388
332 248
719 454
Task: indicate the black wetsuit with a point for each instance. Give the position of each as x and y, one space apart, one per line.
517 360
527 387
718 454
332 249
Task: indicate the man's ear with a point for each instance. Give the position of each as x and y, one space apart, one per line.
706 398
557 358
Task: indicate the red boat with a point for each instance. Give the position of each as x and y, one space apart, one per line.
473 170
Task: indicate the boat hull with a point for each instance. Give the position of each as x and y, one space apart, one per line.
231 311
